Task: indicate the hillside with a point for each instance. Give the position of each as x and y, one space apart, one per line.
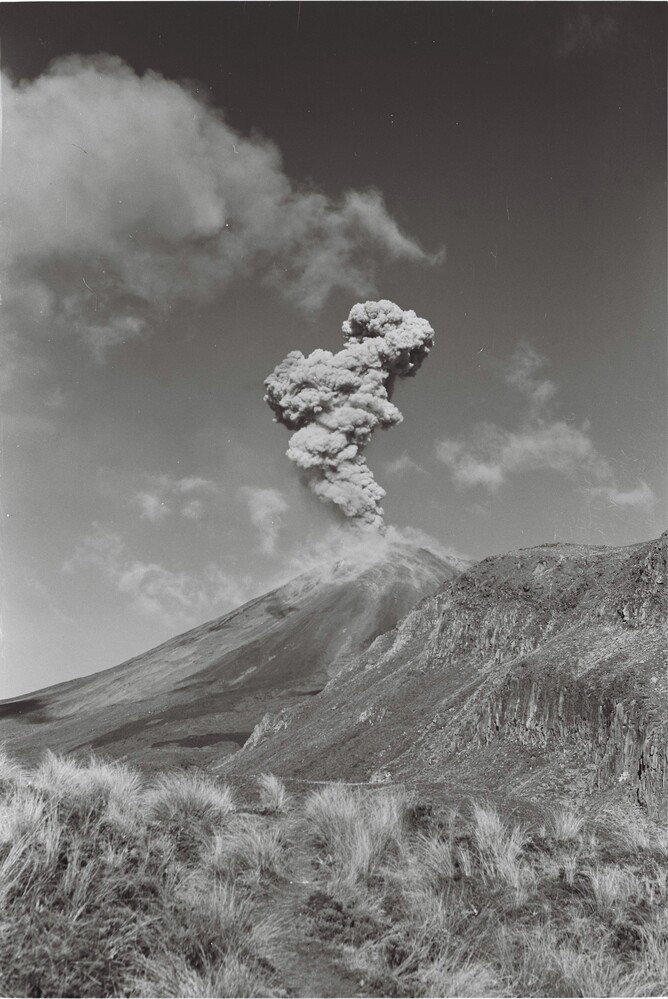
540 672
199 695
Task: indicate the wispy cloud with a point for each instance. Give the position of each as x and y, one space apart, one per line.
166 495
119 329
491 454
403 465
175 597
194 509
521 372
587 31
152 506
266 508
124 194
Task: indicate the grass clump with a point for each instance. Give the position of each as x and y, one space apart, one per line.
355 831
480 904
274 798
104 891
111 885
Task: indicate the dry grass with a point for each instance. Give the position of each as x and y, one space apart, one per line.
479 905
274 798
353 831
104 890
113 886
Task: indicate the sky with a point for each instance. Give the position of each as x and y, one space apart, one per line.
192 191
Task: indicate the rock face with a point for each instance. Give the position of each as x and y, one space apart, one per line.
543 670
200 694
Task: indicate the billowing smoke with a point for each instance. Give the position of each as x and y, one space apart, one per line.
334 402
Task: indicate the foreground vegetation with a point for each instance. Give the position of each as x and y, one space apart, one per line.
112 885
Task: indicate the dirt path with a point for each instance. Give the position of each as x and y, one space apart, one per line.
309 966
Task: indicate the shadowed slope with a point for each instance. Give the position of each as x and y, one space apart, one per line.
201 693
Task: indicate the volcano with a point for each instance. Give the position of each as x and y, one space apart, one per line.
534 675
197 697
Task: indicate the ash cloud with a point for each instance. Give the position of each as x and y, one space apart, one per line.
334 401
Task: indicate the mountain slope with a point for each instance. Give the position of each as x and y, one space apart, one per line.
200 694
541 671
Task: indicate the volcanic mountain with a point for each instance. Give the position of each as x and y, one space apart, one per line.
198 696
540 673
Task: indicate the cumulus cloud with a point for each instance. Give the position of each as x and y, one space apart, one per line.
490 454
177 598
266 508
166 495
334 402
642 497
123 194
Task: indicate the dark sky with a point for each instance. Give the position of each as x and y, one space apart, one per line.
146 487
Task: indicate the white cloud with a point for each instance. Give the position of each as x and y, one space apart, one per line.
642 497
152 507
101 339
177 598
124 194
266 508
167 493
520 373
492 453
193 510
189 484
402 465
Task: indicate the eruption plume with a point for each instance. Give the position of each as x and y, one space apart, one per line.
334 402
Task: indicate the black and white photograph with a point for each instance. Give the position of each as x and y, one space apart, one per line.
333 496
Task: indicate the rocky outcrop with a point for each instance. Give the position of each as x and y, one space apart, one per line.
555 653
616 733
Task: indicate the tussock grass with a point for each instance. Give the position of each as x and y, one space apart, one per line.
249 849
566 825
104 892
480 905
274 797
355 831
111 885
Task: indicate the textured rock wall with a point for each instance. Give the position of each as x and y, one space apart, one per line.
617 735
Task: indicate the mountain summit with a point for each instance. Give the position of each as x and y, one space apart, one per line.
198 696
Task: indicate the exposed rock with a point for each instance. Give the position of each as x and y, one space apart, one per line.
544 669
